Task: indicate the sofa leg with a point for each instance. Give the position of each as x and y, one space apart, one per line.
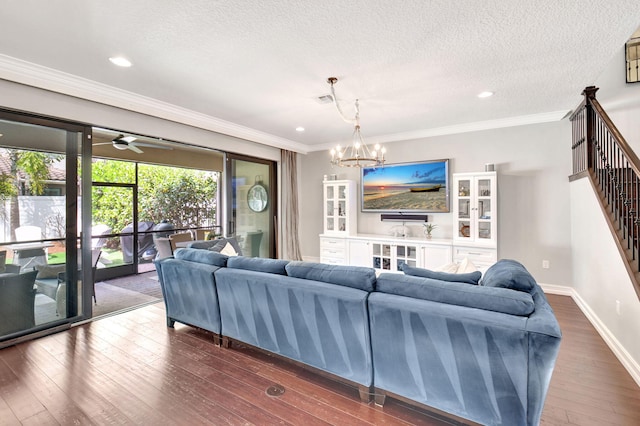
365 393
379 397
170 322
217 340
226 342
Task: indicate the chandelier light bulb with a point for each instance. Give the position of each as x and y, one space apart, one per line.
356 154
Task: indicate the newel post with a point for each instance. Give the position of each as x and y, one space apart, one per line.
589 95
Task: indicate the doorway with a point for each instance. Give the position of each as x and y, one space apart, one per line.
251 205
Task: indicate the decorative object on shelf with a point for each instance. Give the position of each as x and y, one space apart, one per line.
464 231
257 197
428 229
357 154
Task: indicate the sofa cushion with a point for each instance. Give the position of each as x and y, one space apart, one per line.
50 271
455 293
259 264
508 273
201 256
469 278
350 276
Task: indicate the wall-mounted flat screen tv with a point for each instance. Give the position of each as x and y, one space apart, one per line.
408 187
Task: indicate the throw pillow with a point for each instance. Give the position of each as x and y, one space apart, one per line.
466 266
218 246
468 278
507 273
202 256
49 271
451 268
229 250
259 264
461 294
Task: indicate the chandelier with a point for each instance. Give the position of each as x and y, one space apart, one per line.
357 154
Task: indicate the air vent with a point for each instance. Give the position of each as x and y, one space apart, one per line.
325 99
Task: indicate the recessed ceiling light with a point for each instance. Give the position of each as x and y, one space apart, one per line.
299 129
485 94
120 61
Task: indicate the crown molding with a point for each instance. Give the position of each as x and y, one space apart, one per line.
458 128
31 74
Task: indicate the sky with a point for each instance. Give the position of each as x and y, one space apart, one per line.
410 173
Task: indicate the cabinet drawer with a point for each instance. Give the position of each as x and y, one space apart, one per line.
478 255
333 252
333 260
333 243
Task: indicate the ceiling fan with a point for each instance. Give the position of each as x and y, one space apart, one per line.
128 142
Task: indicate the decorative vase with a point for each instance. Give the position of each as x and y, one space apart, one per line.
427 235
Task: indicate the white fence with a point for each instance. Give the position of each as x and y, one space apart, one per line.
46 212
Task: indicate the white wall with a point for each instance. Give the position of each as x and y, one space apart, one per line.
533 164
600 277
621 100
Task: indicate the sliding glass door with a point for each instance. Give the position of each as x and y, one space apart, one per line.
41 252
251 204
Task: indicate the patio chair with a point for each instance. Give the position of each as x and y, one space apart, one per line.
179 237
17 300
98 231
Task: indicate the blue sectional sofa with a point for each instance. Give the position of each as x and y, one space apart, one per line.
479 352
189 288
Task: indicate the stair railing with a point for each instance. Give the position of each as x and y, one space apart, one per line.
600 151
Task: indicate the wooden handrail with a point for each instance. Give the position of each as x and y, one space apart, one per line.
622 142
601 153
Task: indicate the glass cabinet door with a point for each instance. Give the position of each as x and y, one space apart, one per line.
339 214
474 208
464 207
406 254
483 191
381 256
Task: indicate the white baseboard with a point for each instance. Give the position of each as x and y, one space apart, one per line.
619 351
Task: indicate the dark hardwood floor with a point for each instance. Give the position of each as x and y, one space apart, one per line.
132 369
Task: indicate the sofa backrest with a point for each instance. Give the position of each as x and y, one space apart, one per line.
462 294
358 277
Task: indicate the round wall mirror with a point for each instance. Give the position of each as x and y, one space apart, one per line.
257 198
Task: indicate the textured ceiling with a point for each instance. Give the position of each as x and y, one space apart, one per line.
257 66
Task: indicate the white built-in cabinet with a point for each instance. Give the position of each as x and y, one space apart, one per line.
475 217
475 208
385 254
475 228
340 210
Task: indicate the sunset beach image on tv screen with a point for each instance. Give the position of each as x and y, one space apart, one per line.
410 187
